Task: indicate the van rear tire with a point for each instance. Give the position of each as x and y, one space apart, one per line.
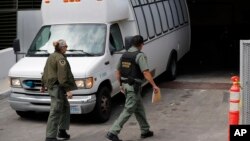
102 108
172 68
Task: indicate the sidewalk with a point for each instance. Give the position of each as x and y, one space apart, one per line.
4 88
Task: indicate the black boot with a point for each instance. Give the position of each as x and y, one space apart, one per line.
148 134
112 137
51 139
62 134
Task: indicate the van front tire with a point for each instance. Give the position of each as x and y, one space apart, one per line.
24 114
103 105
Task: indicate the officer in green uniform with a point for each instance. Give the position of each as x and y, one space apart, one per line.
131 71
59 80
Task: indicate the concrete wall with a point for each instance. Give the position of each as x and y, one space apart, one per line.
28 24
7 60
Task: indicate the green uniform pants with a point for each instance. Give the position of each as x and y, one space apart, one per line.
59 116
133 104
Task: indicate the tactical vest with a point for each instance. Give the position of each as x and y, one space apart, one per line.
129 68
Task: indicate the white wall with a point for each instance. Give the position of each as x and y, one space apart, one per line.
28 24
7 60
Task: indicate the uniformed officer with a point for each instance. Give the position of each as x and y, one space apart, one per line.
131 71
59 80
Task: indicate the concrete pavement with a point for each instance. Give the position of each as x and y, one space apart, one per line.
4 88
192 109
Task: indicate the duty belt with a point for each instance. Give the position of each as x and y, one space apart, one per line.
130 81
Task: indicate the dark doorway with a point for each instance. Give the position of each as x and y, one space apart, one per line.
217 27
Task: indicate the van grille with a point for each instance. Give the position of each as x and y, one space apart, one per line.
32 85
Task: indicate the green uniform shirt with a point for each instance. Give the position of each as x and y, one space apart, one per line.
141 59
57 70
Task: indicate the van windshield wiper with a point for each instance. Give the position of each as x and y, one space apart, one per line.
45 51
75 50
38 53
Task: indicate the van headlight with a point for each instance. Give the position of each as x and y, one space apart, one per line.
85 83
15 82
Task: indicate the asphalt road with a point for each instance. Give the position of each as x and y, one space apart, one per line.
192 109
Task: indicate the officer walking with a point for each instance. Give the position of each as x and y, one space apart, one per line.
59 80
131 71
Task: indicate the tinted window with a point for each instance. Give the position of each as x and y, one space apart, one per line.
156 18
116 37
174 12
141 22
184 9
149 21
163 16
179 10
169 15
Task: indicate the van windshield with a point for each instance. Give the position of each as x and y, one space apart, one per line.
82 39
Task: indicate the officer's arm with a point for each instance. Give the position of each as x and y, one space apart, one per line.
44 78
118 77
149 77
143 64
42 89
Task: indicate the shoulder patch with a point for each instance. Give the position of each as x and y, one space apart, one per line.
62 62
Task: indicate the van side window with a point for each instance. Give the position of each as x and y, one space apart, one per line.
43 39
116 37
184 9
149 20
141 22
174 12
179 10
169 14
156 17
163 16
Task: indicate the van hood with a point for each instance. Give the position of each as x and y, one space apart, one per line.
32 67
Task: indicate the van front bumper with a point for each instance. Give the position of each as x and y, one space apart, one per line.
41 103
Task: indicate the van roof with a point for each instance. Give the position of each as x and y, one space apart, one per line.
84 11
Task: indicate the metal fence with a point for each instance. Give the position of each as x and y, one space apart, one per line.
245 80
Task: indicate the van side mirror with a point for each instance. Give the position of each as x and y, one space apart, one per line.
128 42
16 45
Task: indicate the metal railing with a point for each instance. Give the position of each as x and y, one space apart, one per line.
245 81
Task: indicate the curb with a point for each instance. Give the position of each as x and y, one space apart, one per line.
4 94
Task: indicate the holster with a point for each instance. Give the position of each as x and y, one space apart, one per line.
134 83
129 81
137 87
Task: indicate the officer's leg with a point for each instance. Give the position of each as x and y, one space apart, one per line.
65 116
54 115
129 108
141 116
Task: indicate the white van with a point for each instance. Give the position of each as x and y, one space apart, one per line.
97 33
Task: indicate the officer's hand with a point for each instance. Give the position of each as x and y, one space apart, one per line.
69 95
122 90
156 89
42 89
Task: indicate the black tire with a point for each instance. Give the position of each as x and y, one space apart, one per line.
102 109
172 68
24 114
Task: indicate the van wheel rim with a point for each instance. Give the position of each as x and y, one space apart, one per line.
104 104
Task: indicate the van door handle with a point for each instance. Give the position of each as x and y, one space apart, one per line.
106 63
